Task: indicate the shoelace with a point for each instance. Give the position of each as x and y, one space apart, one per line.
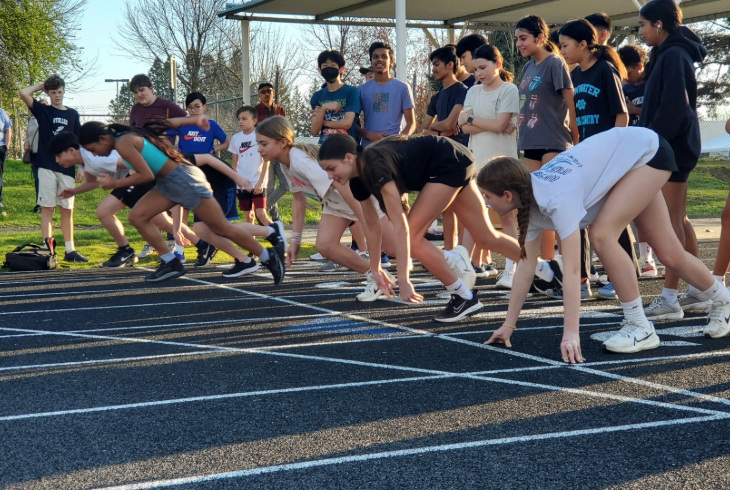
657 303
628 327
715 313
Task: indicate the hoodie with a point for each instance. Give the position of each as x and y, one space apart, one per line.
670 99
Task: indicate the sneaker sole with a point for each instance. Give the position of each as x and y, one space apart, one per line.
668 316
715 336
703 307
243 272
127 263
481 276
463 314
651 343
611 297
653 273
166 277
369 299
503 286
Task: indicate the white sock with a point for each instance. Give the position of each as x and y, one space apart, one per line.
460 288
634 311
645 251
543 271
670 295
718 293
168 257
70 246
179 249
264 257
509 265
721 279
271 229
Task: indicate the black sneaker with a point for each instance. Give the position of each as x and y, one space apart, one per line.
276 266
166 271
74 256
459 308
36 209
241 268
206 252
123 256
278 240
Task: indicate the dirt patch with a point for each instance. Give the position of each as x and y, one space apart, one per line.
718 171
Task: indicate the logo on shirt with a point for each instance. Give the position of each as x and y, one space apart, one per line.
381 102
587 88
245 146
523 100
534 102
580 105
194 136
536 82
520 119
533 121
524 83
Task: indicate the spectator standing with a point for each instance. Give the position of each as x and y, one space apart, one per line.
5 133
267 108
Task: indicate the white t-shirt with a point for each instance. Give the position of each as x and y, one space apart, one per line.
95 165
250 162
570 189
488 105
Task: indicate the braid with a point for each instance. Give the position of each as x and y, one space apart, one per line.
523 217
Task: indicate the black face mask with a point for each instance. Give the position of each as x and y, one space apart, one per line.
330 74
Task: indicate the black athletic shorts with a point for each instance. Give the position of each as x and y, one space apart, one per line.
538 154
455 176
130 195
664 159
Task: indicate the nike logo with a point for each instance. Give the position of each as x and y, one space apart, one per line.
636 341
124 259
460 307
188 138
727 320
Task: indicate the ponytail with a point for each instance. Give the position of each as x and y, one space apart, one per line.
609 54
582 30
92 131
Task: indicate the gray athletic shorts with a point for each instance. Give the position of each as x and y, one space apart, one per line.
186 186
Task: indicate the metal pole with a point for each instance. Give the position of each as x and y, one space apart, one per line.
452 35
217 118
246 61
276 86
400 40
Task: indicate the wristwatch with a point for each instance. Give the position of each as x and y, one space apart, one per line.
470 119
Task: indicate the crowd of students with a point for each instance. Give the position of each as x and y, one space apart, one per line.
607 139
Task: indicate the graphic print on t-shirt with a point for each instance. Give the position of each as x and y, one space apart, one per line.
586 90
194 136
333 116
380 101
556 168
245 146
536 82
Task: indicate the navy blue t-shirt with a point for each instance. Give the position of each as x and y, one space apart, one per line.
443 103
192 139
599 97
52 121
635 93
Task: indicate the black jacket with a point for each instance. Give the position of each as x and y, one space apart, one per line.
670 99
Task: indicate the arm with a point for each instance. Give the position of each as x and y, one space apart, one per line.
410 121
449 123
520 287
200 121
177 213
26 94
345 123
480 124
317 120
570 345
263 179
373 229
426 124
633 110
8 136
568 96
90 184
129 152
622 120
222 146
671 115
220 166
298 209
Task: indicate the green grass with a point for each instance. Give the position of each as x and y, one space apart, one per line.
21 225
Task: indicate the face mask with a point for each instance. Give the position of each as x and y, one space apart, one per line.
330 74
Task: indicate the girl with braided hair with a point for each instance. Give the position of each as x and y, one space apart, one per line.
606 181
443 171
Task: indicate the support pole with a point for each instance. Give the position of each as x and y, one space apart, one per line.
246 61
452 35
400 40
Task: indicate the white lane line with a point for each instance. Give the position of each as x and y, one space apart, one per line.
226 396
107 361
92 292
113 307
717 353
305 465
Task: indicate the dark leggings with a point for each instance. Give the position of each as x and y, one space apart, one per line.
625 240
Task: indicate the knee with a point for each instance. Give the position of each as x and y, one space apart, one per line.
221 229
599 239
671 257
324 246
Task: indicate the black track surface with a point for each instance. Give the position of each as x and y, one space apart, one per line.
203 382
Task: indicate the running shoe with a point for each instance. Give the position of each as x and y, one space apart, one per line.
557 292
330 266
693 301
372 292
718 324
277 239
74 256
166 271
460 262
648 268
505 280
146 251
180 257
275 266
607 292
317 256
240 268
661 309
633 337
479 271
459 308
384 261
122 257
490 270
205 254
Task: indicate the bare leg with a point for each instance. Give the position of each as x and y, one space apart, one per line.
106 212
675 194
47 222
67 224
722 261
449 222
329 233
210 213
223 244
263 217
359 236
547 246
149 206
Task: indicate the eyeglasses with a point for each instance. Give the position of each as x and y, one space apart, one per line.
269 91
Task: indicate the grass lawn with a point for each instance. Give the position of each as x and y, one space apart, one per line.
708 191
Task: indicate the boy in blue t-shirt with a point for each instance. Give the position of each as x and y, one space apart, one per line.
193 139
634 58
334 106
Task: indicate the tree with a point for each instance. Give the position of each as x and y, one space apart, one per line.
713 77
122 106
161 78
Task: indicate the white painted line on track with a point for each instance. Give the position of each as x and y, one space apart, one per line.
699 355
93 292
305 465
112 307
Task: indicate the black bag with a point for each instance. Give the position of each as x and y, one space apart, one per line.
31 257
27 156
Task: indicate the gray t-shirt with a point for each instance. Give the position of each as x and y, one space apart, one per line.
383 105
543 122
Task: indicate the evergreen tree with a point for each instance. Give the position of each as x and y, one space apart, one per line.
161 78
121 106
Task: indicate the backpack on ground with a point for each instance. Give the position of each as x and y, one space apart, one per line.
31 257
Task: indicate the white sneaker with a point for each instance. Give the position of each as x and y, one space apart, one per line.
146 251
719 320
372 292
660 309
317 256
633 337
693 301
460 262
648 267
505 280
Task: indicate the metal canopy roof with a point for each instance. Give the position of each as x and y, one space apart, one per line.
477 13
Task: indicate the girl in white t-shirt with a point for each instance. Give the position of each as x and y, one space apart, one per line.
606 181
275 137
490 117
